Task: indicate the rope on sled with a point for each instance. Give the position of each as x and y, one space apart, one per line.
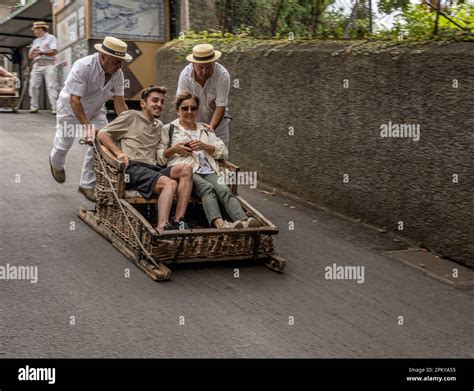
150 258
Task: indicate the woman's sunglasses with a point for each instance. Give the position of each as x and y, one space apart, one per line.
187 108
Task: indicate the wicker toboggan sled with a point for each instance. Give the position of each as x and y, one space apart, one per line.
127 220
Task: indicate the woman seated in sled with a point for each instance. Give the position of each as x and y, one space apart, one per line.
192 143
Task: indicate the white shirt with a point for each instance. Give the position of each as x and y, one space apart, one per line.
214 93
86 80
200 160
204 165
44 44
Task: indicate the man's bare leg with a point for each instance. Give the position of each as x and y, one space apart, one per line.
166 188
183 173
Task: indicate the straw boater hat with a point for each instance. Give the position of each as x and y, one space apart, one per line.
40 24
114 47
204 53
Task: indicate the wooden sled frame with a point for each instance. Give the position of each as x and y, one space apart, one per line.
176 246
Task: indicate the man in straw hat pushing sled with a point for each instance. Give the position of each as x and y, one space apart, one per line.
93 80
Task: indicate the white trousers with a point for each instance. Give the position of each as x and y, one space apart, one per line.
36 79
67 130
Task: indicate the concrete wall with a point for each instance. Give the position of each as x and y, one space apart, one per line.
337 132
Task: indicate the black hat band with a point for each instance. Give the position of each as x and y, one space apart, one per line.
197 58
120 54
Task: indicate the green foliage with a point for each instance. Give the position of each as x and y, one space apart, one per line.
272 18
332 24
247 22
418 22
226 43
388 6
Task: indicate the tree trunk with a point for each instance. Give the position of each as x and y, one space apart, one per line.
315 16
370 17
435 30
277 16
351 20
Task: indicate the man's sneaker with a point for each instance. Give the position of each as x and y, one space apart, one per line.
33 109
88 193
181 224
169 227
229 225
53 111
58 175
251 223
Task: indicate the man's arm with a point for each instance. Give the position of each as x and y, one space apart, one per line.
32 53
51 47
222 96
36 52
80 114
183 84
109 143
113 132
76 86
78 109
51 52
217 117
119 104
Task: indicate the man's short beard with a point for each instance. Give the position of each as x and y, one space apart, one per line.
154 115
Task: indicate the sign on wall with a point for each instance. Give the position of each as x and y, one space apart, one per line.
140 20
70 25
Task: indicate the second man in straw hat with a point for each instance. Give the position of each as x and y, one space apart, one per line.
42 54
93 80
205 78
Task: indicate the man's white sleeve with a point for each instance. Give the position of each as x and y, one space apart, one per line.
53 43
119 89
76 83
183 83
33 46
222 90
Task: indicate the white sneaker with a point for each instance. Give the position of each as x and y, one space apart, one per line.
229 225
33 109
251 223
53 111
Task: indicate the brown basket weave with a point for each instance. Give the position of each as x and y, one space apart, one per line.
175 246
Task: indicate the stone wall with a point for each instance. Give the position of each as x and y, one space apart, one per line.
337 106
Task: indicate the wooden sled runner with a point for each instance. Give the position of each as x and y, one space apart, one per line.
128 223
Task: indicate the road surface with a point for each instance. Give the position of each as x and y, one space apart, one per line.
84 306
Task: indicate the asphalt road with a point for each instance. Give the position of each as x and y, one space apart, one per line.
82 276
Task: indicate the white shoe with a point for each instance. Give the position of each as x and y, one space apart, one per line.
53 111
33 109
229 225
250 223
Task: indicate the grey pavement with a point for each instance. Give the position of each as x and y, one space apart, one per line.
82 276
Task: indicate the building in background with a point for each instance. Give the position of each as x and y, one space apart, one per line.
145 25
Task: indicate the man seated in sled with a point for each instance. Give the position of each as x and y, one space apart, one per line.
192 143
138 134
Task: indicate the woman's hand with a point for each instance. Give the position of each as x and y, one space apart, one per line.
181 150
197 145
